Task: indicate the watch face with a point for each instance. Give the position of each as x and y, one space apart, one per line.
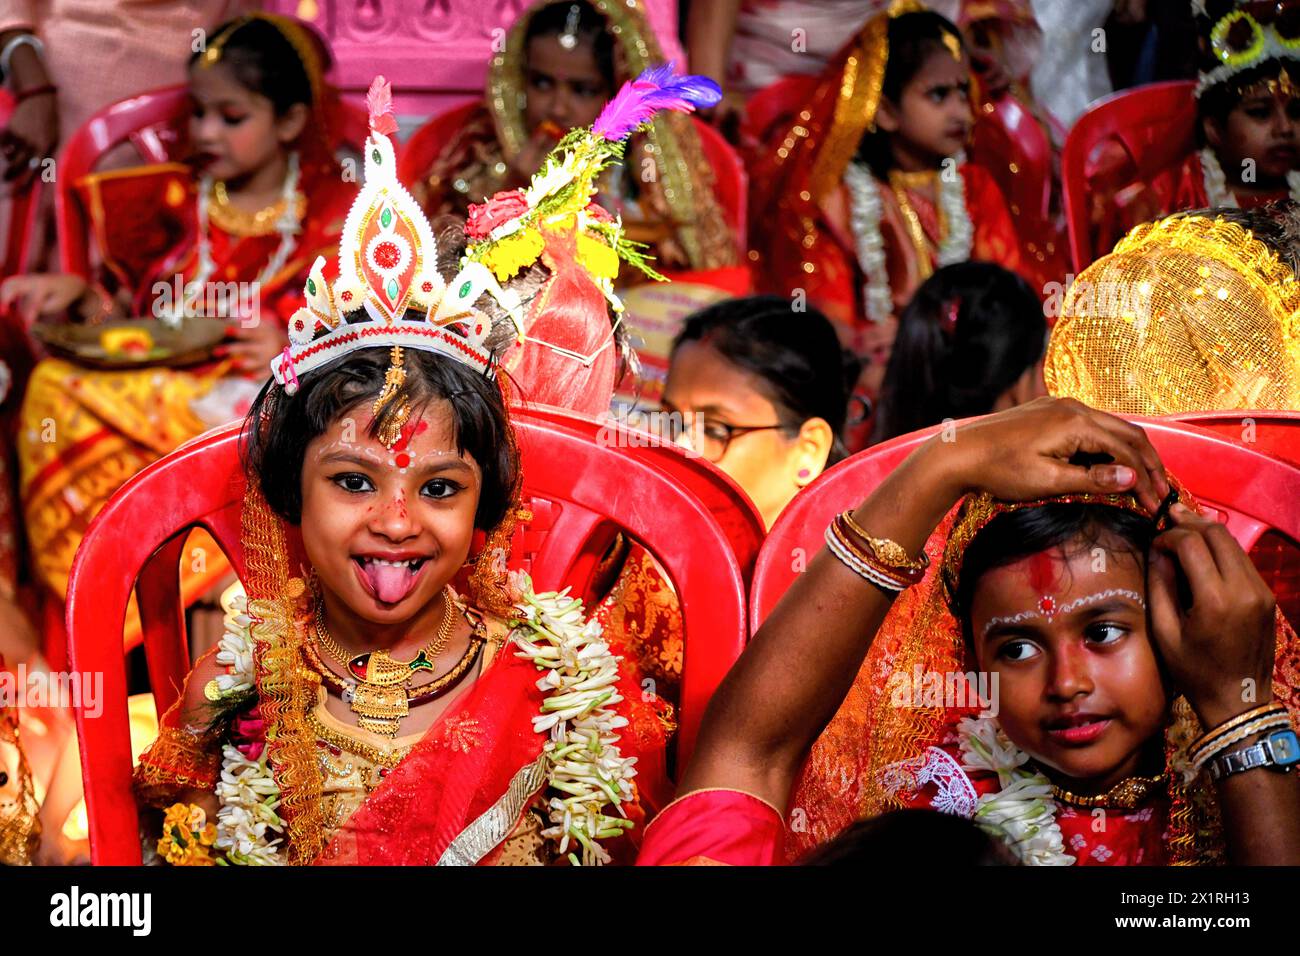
1286 748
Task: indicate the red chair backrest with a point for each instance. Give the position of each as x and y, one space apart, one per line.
1275 433
731 182
729 505
1256 491
140 534
154 123
1011 144
1152 127
150 122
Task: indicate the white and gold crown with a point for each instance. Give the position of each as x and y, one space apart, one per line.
389 292
1239 41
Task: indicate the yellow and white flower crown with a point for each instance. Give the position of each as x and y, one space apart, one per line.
1240 42
389 292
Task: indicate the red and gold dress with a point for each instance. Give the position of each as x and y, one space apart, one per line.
880 753
85 432
475 788
673 208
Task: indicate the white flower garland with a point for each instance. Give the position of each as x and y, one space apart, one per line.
1022 812
586 766
865 211
1217 192
247 791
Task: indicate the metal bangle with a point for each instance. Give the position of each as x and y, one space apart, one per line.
23 39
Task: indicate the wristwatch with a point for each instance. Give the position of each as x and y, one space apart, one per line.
1278 751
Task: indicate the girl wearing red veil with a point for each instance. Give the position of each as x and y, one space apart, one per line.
867 193
364 710
1079 663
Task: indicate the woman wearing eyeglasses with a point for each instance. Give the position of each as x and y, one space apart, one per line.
762 391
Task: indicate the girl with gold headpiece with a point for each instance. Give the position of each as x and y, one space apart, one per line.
1247 104
561 61
261 199
866 193
1123 656
366 710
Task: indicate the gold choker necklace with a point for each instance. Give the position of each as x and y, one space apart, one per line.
380 698
1128 794
236 222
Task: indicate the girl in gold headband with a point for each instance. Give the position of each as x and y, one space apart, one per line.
866 193
261 197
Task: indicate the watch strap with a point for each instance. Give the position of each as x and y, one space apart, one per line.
1280 750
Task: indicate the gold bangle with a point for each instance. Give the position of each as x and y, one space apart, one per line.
1214 733
887 552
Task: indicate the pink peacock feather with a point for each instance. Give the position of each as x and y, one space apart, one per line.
379 100
657 88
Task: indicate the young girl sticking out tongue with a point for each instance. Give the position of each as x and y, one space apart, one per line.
371 707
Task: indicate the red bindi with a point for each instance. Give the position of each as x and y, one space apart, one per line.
403 460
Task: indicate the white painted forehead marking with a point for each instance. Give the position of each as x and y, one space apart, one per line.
1047 608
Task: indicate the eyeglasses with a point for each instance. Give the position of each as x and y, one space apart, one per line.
709 437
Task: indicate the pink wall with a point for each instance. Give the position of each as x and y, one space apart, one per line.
434 52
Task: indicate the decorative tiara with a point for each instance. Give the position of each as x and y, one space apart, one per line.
389 292
1239 42
388 269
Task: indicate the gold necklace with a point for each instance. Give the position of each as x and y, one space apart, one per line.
925 268
380 699
1128 794
916 179
415 693
237 222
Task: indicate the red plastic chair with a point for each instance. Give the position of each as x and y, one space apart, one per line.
137 539
154 123
731 182
729 505
1009 142
1275 433
1124 140
774 107
1257 493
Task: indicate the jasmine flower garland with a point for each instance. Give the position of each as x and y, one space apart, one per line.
590 780
588 774
865 211
1022 812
